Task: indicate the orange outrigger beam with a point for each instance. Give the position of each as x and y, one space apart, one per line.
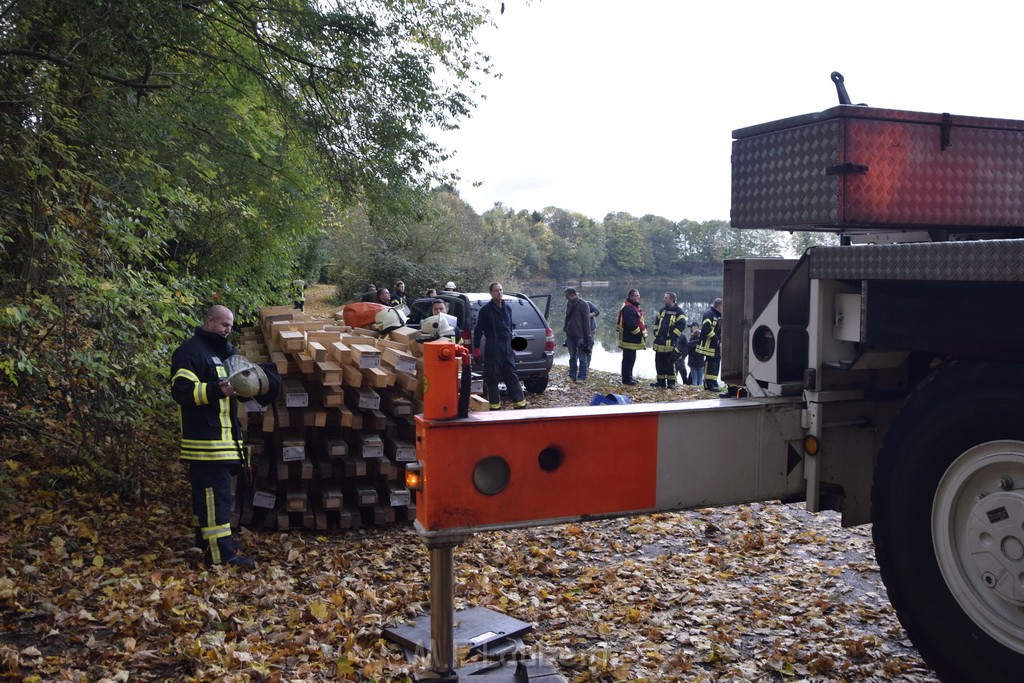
512 469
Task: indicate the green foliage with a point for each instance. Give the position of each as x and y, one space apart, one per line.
424 248
159 157
799 242
578 243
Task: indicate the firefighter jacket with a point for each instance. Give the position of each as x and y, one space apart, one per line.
209 429
630 327
669 327
710 334
494 323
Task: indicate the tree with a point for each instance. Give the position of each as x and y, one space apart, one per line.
799 242
424 251
157 157
627 249
662 234
578 243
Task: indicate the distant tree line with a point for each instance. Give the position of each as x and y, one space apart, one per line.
447 240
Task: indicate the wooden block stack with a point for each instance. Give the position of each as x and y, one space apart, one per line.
331 452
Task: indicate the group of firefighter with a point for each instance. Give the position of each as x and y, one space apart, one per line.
674 347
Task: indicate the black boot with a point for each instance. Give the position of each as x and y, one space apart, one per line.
671 384
660 384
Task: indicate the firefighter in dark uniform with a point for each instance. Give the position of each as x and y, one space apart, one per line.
710 345
494 321
669 327
211 439
632 332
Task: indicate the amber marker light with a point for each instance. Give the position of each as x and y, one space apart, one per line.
414 476
811 445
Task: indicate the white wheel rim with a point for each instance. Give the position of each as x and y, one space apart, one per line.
978 536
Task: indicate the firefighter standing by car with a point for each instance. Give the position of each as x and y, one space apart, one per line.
669 327
494 321
710 345
203 386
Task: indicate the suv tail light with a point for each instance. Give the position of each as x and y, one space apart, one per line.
549 340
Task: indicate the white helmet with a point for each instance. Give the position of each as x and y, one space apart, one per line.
248 379
440 325
449 285
389 319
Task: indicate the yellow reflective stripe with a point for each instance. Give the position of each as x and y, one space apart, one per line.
211 507
198 388
209 457
219 531
208 445
187 374
225 410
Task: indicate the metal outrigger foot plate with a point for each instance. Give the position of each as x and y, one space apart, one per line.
478 629
520 671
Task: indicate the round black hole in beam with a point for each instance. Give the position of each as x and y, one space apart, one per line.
550 459
491 475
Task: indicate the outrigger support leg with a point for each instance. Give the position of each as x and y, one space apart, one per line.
442 610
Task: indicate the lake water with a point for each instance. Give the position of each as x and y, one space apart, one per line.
607 355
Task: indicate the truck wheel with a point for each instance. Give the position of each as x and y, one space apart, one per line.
948 516
536 385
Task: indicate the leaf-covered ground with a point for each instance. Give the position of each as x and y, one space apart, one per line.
95 590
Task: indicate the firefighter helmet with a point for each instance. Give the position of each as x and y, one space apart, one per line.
248 379
390 319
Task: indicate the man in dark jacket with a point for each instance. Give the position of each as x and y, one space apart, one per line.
694 359
211 439
710 345
594 312
632 333
669 326
494 321
577 333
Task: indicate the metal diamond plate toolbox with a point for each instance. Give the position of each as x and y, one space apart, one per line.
971 261
860 168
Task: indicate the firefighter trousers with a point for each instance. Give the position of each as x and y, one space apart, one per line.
211 509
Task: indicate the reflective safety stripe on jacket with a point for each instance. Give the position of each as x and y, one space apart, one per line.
217 443
630 328
668 327
709 341
209 429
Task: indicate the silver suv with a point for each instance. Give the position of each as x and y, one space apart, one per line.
533 340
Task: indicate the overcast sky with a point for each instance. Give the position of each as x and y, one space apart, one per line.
629 105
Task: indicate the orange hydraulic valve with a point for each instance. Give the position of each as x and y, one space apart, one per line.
441 379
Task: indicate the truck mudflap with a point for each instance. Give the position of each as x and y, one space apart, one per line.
506 470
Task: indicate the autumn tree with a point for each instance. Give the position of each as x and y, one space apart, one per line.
156 157
578 243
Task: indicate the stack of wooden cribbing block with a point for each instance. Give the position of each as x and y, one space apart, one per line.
331 452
